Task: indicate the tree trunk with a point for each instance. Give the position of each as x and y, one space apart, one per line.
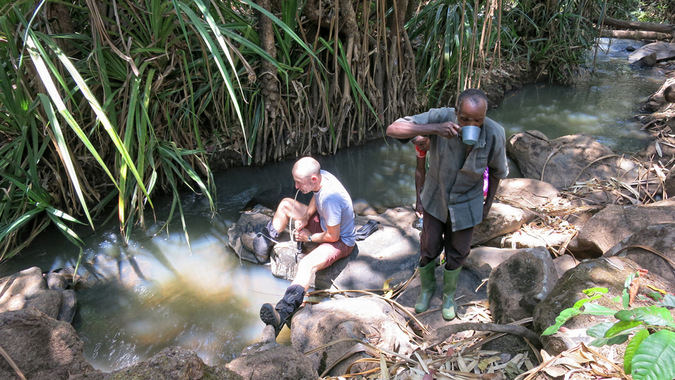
646 26
269 86
636 35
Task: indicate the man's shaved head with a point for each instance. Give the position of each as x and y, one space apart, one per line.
306 167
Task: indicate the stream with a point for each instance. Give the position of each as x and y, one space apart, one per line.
160 291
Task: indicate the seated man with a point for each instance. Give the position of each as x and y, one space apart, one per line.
327 220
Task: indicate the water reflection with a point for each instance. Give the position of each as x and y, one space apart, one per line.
603 104
158 294
159 291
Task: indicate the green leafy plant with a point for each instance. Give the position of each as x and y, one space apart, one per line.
649 330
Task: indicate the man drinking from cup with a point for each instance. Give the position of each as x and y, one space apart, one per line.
452 195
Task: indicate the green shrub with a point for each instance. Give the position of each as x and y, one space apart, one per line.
649 330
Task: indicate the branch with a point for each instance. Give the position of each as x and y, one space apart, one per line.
439 335
649 26
636 35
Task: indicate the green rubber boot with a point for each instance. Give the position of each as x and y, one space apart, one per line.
427 288
449 307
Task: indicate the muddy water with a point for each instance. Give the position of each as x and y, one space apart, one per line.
159 291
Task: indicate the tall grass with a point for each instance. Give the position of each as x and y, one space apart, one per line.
460 43
96 121
108 103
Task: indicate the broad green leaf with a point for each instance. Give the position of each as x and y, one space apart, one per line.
651 315
619 339
581 302
599 330
595 309
632 347
18 222
560 320
667 301
625 299
629 280
654 358
622 326
594 291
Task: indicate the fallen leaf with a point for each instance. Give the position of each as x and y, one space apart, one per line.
487 361
632 292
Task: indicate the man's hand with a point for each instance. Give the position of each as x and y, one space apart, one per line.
422 141
300 224
419 210
449 130
302 234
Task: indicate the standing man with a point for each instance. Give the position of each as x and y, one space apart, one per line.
452 196
327 220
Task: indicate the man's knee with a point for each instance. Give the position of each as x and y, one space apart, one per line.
285 206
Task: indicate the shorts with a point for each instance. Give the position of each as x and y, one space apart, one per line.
338 249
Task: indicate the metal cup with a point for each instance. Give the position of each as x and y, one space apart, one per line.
470 134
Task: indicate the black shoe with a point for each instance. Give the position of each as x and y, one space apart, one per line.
270 316
367 229
276 316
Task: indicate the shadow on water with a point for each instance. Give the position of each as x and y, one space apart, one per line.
157 291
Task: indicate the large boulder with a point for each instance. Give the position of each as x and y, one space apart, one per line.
174 363
526 193
273 361
652 247
569 160
669 184
610 273
614 223
661 51
348 321
30 289
501 220
482 260
518 284
41 347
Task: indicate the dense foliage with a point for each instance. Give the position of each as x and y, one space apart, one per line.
104 104
649 329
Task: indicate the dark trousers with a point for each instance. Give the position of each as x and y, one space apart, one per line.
437 235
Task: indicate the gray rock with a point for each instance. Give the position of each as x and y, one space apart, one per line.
658 51
173 363
526 193
614 223
28 289
42 347
502 219
653 248
482 260
361 319
564 263
610 273
568 160
68 306
518 284
272 361
57 281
